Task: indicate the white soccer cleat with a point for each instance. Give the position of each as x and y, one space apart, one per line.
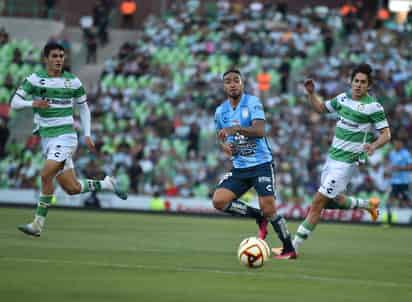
122 194
32 229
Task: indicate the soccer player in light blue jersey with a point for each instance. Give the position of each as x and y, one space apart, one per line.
240 125
400 166
52 94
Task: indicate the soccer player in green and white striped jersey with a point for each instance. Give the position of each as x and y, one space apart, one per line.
52 94
359 114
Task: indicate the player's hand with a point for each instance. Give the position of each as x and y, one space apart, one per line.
309 86
227 149
222 134
225 132
395 168
369 149
42 104
90 144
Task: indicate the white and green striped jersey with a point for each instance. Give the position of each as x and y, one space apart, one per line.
61 92
357 121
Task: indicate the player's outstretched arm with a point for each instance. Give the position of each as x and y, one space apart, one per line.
317 104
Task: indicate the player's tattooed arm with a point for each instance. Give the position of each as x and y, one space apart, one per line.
256 130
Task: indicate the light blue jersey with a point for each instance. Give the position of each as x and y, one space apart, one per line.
250 151
400 158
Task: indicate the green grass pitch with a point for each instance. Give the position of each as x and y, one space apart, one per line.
96 256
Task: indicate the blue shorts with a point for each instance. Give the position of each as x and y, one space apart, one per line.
261 177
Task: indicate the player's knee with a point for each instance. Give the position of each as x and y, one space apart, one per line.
219 203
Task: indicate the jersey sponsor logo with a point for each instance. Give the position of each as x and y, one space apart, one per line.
59 102
57 154
244 146
42 82
264 179
269 188
347 123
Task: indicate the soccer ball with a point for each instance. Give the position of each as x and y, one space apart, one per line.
253 252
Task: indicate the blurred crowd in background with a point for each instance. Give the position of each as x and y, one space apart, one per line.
152 112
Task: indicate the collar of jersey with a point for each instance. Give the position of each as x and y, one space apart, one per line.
43 74
365 99
242 99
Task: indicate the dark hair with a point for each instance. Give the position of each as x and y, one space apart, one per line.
51 46
365 69
232 70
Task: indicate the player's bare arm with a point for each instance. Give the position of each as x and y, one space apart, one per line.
90 144
227 148
42 104
317 104
384 137
256 130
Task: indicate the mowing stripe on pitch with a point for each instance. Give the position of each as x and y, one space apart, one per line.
375 283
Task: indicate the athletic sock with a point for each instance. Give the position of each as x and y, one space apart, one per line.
348 203
240 208
332 204
91 185
42 209
281 229
303 232
357 203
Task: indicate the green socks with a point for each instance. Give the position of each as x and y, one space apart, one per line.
303 232
42 209
90 185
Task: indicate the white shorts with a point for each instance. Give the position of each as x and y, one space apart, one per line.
335 177
60 148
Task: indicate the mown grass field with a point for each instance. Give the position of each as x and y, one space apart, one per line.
96 256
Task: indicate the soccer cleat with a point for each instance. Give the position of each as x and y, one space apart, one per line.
277 251
263 228
122 194
31 229
287 256
373 208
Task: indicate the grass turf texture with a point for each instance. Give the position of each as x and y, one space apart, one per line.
92 256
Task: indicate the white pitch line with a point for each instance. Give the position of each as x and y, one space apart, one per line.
375 283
